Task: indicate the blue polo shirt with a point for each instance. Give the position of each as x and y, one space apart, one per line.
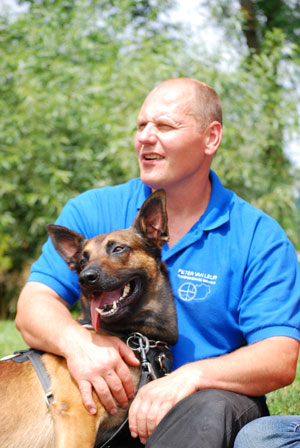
234 275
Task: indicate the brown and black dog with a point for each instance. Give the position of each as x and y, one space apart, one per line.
125 289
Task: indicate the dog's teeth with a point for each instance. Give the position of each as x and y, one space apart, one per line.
126 290
115 306
100 311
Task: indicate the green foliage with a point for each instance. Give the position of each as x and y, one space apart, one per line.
279 14
260 101
71 82
253 19
73 75
10 339
260 115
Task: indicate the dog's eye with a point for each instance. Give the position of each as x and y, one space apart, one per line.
114 247
117 249
82 263
84 260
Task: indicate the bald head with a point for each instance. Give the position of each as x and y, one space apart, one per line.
204 103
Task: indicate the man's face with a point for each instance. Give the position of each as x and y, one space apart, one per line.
169 143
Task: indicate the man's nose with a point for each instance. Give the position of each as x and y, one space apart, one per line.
148 135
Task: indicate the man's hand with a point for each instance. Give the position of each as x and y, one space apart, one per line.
94 361
100 364
250 370
156 398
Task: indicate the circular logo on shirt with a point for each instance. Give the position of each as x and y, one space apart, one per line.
188 291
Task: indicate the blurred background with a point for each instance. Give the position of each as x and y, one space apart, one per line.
74 73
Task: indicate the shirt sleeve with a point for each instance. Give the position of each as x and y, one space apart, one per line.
79 214
270 303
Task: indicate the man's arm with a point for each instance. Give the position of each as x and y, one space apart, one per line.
94 361
252 370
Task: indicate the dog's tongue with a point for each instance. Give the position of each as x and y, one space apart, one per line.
99 302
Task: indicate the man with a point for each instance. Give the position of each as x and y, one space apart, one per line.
234 275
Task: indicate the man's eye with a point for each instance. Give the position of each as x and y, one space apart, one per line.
164 127
141 126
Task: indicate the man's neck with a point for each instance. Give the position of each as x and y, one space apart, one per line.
185 207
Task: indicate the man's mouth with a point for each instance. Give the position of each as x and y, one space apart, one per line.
153 156
109 303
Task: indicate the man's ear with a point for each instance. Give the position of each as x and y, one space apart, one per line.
213 137
152 221
67 243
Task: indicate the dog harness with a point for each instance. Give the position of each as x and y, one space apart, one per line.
155 359
34 356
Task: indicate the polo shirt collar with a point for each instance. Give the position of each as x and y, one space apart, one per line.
217 211
144 193
215 215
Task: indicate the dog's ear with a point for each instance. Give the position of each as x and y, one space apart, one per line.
152 220
67 243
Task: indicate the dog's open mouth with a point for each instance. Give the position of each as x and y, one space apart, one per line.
108 304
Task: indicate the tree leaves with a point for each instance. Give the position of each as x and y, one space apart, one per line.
73 75
70 89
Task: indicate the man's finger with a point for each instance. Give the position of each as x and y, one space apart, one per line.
164 408
132 417
116 387
127 354
86 395
125 376
105 396
142 420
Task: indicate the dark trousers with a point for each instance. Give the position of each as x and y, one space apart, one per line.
207 419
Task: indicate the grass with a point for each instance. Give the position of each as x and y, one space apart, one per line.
283 401
287 400
10 338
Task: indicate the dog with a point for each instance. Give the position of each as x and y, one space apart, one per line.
124 289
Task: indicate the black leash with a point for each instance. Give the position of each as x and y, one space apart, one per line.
155 363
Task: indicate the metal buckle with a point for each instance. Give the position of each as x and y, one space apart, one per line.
9 357
161 357
49 397
149 370
140 343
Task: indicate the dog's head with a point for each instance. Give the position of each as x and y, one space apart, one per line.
120 273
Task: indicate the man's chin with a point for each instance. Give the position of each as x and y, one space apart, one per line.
153 183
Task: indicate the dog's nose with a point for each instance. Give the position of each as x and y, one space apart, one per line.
88 277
